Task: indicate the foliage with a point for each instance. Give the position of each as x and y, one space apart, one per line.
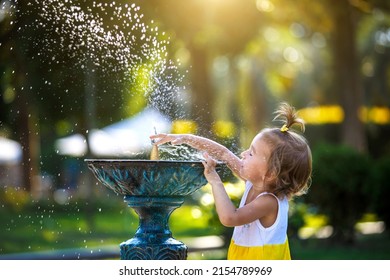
379 188
15 198
297 211
338 187
235 191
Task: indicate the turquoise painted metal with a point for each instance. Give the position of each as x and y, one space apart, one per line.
154 189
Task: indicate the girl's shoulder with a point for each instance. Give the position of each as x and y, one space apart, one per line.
270 194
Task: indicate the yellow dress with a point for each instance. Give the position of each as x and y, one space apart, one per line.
255 242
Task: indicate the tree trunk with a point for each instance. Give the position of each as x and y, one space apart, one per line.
27 122
348 83
202 90
28 135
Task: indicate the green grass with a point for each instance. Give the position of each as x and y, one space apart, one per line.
48 226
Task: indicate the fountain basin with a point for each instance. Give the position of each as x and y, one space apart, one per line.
154 189
148 177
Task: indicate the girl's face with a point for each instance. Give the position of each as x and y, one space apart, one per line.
255 160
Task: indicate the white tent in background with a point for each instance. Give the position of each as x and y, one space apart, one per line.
73 145
125 138
10 151
10 163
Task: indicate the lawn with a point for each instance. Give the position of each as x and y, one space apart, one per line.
44 226
49 226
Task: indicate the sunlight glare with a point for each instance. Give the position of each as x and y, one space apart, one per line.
265 6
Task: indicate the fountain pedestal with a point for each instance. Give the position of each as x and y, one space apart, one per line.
154 189
153 240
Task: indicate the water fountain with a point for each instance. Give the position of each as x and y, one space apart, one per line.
154 189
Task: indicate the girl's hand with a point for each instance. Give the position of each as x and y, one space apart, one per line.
162 138
209 169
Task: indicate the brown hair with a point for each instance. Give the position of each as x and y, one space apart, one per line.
290 163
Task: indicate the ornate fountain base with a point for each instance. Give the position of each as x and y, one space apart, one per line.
154 189
153 239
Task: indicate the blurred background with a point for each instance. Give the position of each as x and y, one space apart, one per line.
93 79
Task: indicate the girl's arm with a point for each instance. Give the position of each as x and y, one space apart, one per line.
213 148
228 214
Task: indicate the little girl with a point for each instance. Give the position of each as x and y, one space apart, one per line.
276 167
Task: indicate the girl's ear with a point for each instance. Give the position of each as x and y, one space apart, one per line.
270 176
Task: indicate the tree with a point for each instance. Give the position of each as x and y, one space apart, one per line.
23 114
340 21
208 29
346 16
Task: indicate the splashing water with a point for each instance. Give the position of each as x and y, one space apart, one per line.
113 37
179 152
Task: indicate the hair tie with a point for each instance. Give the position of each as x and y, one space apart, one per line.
284 128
